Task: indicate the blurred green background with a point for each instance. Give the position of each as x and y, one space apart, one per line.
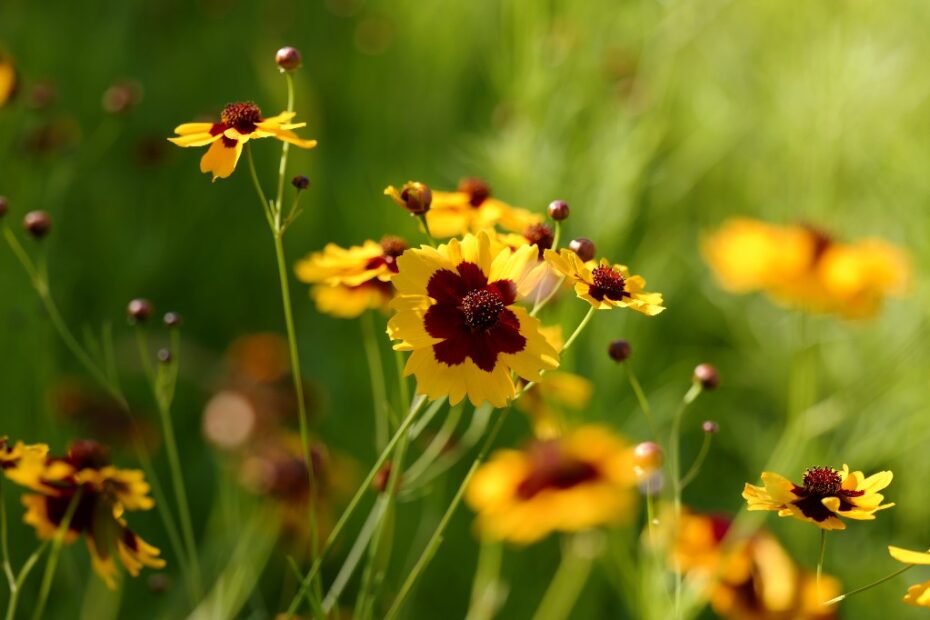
655 120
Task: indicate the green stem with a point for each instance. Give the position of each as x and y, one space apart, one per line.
429 235
17 586
282 166
485 590
568 582
820 556
641 398
266 206
695 468
4 541
834 601
353 504
584 323
378 389
556 235
52 564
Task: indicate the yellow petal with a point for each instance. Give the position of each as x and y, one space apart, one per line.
909 557
221 159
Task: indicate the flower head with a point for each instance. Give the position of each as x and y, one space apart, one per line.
12 454
605 286
346 282
472 208
239 123
919 594
97 495
456 312
8 79
824 495
580 481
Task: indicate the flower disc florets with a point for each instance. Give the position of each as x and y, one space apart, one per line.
482 309
822 481
242 116
609 282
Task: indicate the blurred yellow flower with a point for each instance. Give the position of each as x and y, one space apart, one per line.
12 454
802 267
8 79
102 493
573 483
349 281
455 311
472 208
919 594
603 285
239 123
826 495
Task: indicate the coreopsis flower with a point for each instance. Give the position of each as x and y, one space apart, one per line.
12 454
347 282
603 285
471 208
751 579
580 481
8 79
456 312
803 267
239 123
103 494
918 594
824 495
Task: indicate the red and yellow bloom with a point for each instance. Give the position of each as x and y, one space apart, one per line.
456 312
239 123
825 495
918 594
472 208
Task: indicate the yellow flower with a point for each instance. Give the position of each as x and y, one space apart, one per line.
802 267
102 493
577 482
349 281
11 455
239 123
826 495
919 594
8 80
605 286
471 209
455 312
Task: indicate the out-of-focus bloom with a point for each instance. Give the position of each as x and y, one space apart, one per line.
8 79
918 594
605 286
455 312
751 579
802 267
12 454
825 495
471 208
540 235
239 123
347 282
579 481
99 495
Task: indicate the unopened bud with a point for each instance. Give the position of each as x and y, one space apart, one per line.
414 196
173 319
38 224
139 310
583 247
4 206
164 356
300 182
619 350
288 58
710 427
647 458
382 478
707 376
558 210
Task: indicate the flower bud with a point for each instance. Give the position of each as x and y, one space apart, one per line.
707 376
558 210
619 350
38 224
382 478
478 191
300 182
711 427
4 206
121 96
173 319
139 310
164 355
288 58
647 458
583 247
414 196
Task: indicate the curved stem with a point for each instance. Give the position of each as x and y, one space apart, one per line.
376 372
878 582
52 564
5 543
584 323
641 398
569 580
695 468
17 586
429 235
282 166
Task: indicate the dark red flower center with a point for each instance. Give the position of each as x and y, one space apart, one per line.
478 191
391 249
553 469
87 454
820 483
471 317
607 283
541 236
241 116
821 240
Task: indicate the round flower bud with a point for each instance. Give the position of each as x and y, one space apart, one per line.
300 182
4 206
647 457
583 247
558 210
414 196
139 310
382 478
711 427
164 356
288 58
707 376
619 350
38 224
172 319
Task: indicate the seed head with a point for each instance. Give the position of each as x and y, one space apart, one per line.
139 310
583 247
558 210
707 376
288 58
38 224
619 350
300 182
